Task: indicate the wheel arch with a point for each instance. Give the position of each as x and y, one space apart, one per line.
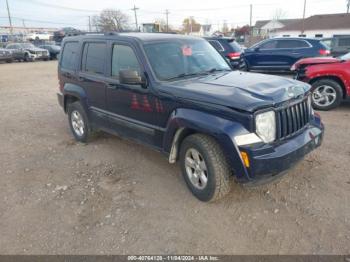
185 122
73 93
335 78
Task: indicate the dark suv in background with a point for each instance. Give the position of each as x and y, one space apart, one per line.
339 45
178 95
279 54
228 48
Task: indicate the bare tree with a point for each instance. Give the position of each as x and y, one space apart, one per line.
162 25
279 14
111 20
190 25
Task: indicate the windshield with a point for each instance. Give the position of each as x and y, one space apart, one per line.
27 45
181 58
345 57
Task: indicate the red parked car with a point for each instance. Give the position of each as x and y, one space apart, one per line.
329 77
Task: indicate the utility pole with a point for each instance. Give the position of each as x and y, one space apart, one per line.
191 25
251 16
90 30
9 15
135 9
348 6
303 24
167 19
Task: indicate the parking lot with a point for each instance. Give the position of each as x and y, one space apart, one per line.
113 196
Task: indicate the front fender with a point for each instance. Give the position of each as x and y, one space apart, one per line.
221 129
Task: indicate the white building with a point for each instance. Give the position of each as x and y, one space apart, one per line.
325 26
263 28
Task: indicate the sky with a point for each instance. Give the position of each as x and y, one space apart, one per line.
63 13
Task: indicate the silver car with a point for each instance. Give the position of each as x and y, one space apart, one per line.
27 52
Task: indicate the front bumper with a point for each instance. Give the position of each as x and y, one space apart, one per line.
268 162
38 56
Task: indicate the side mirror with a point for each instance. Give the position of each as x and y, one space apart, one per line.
131 77
257 49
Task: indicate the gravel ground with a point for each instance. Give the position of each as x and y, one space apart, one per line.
116 197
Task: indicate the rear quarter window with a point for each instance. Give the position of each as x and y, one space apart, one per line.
216 44
69 55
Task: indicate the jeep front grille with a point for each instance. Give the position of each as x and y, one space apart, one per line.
292 118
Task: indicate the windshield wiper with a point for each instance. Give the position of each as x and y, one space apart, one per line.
184 75
213 70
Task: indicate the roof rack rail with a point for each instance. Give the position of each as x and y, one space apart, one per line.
111 33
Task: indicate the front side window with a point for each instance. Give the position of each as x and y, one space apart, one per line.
94 58
180 58
344 42
269 45
69 55
124 58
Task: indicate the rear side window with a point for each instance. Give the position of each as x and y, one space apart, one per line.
94 58
69 55
292 44
124 58
216 44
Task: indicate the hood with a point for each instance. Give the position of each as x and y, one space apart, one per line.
36 49
314 61
239 90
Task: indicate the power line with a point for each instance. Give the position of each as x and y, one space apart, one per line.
61 7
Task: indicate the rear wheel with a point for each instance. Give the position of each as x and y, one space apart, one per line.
326 94
205 168
78 122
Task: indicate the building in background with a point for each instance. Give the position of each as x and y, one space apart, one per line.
264 28
324 26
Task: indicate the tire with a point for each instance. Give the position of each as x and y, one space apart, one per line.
218 173
26 57
327 94
78 120
9 61
243 65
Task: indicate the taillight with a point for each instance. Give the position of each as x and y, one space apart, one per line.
324 52
235 55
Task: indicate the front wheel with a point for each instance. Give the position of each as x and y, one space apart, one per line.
326 94
243 65
205 168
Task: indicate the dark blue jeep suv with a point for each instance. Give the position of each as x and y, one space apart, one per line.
279 54
178 95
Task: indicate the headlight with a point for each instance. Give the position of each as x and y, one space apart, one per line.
265 124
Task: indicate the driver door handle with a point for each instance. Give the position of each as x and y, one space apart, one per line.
112 86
